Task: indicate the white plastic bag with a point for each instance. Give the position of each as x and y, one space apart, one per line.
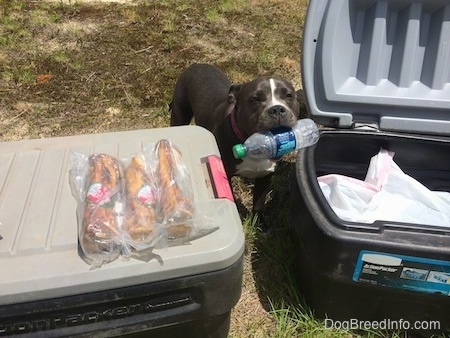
387 193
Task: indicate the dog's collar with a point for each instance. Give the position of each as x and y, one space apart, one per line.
234 126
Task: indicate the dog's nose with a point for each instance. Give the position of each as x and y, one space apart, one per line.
277 110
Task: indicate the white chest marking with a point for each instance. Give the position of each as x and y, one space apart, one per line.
275 101
254 168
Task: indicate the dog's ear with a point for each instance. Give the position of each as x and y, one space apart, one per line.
232 94
303 112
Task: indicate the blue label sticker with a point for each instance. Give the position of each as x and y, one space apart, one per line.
285 140
404 272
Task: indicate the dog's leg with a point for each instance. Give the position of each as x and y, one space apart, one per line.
180 113
260 190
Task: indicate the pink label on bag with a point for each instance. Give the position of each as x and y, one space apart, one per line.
98 194
146 195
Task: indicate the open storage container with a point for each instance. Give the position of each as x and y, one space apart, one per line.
376 74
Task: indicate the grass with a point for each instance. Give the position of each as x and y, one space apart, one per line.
70 68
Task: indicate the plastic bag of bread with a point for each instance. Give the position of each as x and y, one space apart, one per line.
97 185
176 200
176 197
141 226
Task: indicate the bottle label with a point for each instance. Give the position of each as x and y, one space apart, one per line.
285 140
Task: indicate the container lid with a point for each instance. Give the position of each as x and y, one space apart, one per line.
39 249
378 62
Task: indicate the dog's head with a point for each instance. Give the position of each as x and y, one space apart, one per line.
264 103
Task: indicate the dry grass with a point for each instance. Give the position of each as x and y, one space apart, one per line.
70 68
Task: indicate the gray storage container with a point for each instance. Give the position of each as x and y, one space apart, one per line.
47 290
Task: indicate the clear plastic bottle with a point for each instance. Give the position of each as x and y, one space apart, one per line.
278 141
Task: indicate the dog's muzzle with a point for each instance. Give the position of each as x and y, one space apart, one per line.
277 111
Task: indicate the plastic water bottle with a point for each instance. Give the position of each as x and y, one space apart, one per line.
278 141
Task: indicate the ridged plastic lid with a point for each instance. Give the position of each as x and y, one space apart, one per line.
381 63
239 151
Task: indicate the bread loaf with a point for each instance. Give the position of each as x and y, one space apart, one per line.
140 213
100 228
176 203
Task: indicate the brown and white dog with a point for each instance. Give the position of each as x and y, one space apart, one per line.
233 112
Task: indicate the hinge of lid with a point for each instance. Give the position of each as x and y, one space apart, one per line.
372 126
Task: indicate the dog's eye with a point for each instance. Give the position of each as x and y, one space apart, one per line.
289 95
255 99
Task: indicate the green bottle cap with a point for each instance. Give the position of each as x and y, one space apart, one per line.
239 151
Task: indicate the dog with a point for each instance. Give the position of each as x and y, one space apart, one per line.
233 112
